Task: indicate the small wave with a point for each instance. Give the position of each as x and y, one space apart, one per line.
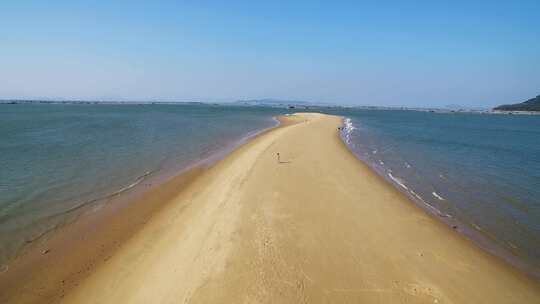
349 128
407 165
349 125
397 181
437 196
417 196
374 151
84 204
135 183
381 162
434 209
437 211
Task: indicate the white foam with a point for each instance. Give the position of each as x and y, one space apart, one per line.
433 208
437 196
349 128
349 125
398 181
418 196
407 165
437 211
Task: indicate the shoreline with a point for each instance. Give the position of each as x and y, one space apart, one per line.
482 240
29 268
50 266
236 225
135 188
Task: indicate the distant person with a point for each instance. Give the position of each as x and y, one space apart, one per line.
278 158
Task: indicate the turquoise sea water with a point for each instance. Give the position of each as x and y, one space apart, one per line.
56 159
479 173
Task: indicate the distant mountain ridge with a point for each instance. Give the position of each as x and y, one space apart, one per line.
532 104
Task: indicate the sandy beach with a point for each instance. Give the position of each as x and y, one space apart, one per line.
315 226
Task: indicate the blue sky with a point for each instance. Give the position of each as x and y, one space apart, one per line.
415 53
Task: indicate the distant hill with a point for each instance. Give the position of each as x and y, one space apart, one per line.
532 104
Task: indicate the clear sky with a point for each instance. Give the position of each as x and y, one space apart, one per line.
415 53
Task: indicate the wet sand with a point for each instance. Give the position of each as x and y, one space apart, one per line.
317 226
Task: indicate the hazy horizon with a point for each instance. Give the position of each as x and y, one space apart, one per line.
348 53
261 101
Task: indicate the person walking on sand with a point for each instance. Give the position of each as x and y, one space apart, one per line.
278 158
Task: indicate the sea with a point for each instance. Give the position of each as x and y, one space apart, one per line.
58 160
478 173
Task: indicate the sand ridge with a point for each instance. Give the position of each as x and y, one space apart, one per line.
317 226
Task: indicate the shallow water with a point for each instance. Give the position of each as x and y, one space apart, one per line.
56 159
478 172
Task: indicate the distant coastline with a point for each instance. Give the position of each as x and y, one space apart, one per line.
274 103
94 102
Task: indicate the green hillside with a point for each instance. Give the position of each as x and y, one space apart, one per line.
532 104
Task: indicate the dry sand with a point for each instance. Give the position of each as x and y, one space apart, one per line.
318 227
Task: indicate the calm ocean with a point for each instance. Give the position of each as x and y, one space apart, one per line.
57 159
478 172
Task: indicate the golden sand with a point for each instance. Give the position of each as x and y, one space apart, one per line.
317 227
